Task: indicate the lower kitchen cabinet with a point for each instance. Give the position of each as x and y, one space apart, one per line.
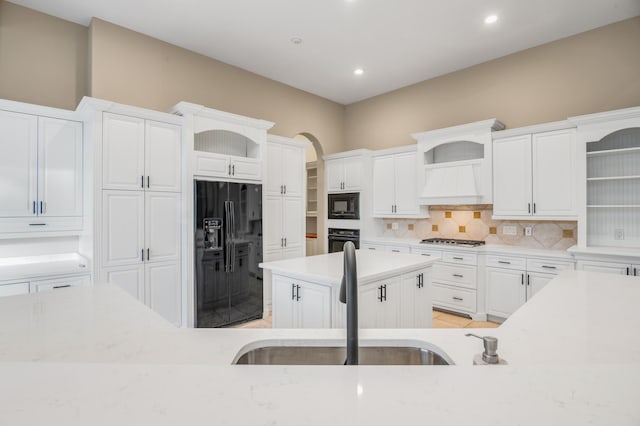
300 304
416 309
43 284
157 285
610 267
379 304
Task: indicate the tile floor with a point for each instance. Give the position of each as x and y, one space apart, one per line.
440 320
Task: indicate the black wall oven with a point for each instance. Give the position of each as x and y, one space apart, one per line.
338 237
344 205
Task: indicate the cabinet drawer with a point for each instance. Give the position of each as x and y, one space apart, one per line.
40 224
14 289
507 262
461 258
434 254
368 246
454 298
398 249
459 275
57 283
551 266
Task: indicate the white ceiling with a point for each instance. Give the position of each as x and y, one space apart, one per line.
397 43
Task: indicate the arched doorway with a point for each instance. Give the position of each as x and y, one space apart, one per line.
315 195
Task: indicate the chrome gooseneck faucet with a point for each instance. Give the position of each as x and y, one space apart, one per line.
349 295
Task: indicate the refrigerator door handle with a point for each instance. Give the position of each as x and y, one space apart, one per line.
227 227
232 210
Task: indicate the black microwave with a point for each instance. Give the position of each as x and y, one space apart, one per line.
344 205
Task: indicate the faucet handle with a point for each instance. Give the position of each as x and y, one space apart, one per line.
490 354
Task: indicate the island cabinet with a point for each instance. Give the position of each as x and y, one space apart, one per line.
300 304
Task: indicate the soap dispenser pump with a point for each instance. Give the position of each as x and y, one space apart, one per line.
490 354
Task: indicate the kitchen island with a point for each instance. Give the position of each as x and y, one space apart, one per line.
394 291
94 355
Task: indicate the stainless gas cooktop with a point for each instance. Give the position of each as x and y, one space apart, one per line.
452 242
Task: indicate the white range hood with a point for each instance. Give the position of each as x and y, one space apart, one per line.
454 166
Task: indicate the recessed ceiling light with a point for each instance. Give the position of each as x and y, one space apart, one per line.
296 40
358 71
490 19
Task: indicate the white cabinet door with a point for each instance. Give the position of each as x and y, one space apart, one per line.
416 310
313 303
370 309
512 176
406 196
352 174
122 227
272 223
245 168
207 164
505 291
293 167
129 278
162 223
383 185
14 289
536 281
284 293
162 289
162 156
554 173
18 164
275 170
292 223
334 175
59 167
122 152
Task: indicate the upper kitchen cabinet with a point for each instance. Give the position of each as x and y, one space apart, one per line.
346 171
535 172
285 166
454 164
395 192
40 170
139 154
609 169
224 145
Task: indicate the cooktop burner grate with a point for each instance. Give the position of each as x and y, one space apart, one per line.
452 242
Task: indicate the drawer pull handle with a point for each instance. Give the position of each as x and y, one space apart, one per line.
395 251
61 286
372 248
37 224
504 262
549 267
425 254
458 275
460 299
458 258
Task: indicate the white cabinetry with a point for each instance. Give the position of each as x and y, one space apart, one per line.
300 304
14 289
41 172
394 184
40 284
284 208
138 236
535 174
512 281
610 267
344 174
379 304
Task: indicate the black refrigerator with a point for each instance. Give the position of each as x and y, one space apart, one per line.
228 249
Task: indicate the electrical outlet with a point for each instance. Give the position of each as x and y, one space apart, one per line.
618 234
394 226
528 231
510 230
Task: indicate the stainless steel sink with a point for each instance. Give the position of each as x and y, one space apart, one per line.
335 355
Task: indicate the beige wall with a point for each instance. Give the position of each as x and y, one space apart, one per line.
591 72
135 69
43 60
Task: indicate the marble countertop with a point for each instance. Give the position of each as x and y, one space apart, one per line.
94 355
28 267
328 268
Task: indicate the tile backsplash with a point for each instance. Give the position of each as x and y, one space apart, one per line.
478 225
